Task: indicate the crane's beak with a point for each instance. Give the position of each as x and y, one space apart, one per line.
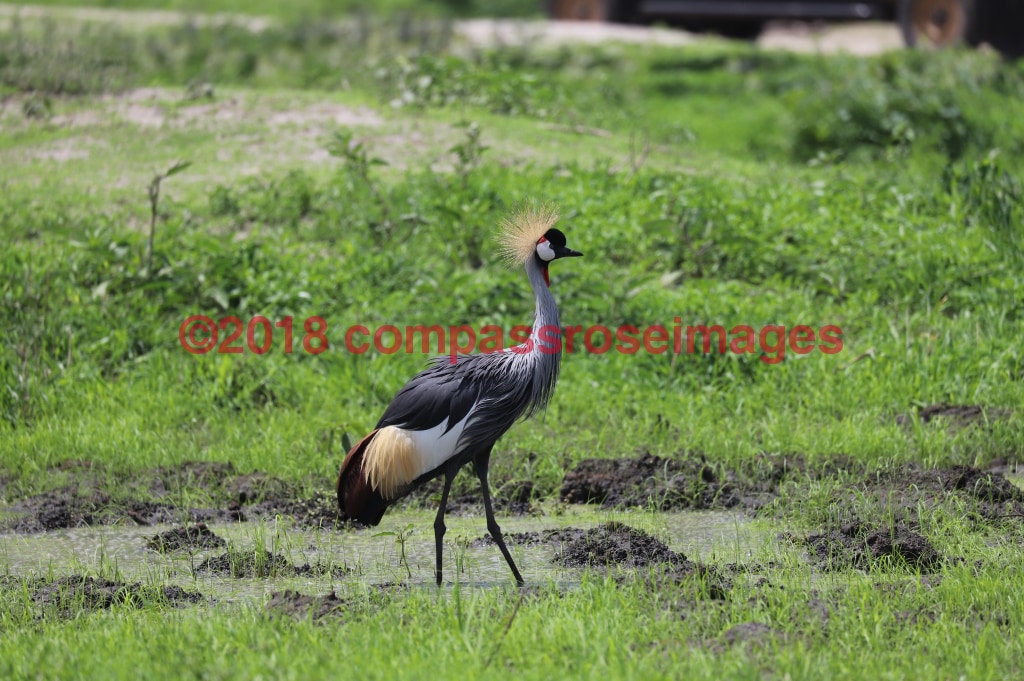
565 252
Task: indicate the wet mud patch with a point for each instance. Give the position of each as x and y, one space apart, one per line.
262 564
858 545
196 537
671 484
71 594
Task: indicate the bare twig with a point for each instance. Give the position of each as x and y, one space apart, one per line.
870 352
154 205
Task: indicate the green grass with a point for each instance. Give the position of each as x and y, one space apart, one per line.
716 183
966 624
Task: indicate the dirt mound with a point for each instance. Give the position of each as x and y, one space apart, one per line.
257 486
330 607
98 498
617 544
191 475
473 505
959 416
247 564
857 545
750 635
243 564
70 506
320 511
193 537
982 485
670 484
509 498
300 606
561 536
76 592
988 493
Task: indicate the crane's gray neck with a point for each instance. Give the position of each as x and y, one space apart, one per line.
546 315
545 356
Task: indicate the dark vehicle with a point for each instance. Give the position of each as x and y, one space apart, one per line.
931 22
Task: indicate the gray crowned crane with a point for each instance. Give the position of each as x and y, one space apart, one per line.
452 413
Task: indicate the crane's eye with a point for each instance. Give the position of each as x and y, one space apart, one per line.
544 250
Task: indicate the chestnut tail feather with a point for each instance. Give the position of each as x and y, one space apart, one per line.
357 500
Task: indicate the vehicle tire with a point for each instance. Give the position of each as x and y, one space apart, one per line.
937 23
589 10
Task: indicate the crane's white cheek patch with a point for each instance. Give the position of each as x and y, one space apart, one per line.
544 250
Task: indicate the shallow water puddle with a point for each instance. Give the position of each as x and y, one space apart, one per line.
369 556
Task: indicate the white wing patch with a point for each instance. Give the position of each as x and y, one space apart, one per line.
397 456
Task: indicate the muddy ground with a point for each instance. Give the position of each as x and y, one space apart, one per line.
194 493
862 546
67 596
196 537
198 492
300 605
330 607
242 564
848 535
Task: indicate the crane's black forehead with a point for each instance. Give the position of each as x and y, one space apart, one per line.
556 237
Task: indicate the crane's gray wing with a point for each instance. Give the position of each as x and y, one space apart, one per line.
443 390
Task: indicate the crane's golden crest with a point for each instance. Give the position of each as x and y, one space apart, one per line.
391 461
522 229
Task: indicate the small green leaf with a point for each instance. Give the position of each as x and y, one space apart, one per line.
177 168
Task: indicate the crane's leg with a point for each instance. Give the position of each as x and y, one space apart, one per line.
439 526
481 462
